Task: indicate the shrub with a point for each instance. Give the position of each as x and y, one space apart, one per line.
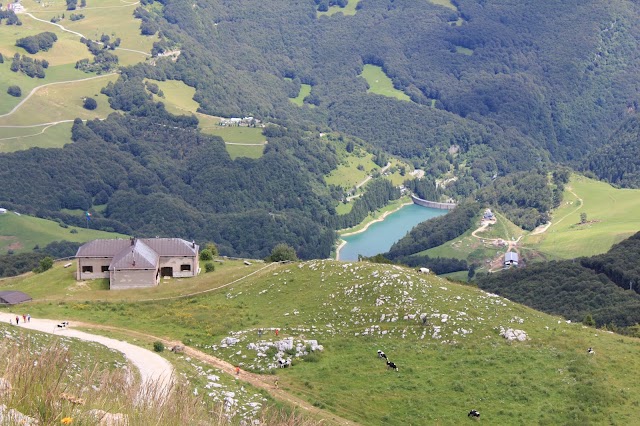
282 252
45 265
158 346
206 255
14 91
209 267
212 248
90 103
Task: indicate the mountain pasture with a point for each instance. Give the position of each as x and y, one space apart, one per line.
380 83
52 74
22 233
48 136
455 362
611 217
66 50
111 17
62 101
178 97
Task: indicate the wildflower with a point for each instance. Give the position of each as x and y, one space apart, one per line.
67 421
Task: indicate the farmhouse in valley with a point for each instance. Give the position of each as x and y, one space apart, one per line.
137 262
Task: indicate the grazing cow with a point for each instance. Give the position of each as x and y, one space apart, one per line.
392 365
590 351
474 413
282 363
381 354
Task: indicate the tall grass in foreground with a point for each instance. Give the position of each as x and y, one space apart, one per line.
50 385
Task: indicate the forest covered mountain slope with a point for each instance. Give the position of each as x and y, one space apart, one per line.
512 88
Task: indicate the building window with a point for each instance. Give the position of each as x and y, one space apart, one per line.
87 269
105 268
185 267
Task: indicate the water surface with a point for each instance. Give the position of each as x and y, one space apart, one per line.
380 236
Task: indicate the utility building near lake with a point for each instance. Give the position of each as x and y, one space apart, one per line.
137 262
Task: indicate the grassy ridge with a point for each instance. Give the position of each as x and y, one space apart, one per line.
457 362
22 233
611 217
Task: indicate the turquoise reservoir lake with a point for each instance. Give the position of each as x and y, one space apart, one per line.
380 236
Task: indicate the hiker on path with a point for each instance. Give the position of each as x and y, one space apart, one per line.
17 320
24 318
237 370
277 331
28 318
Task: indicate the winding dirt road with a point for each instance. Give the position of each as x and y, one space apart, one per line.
153 368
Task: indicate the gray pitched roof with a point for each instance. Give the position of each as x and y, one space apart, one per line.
102 248
510 255
162 246
138 256
171 246
11 297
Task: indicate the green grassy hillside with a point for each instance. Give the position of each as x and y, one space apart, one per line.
64 101
456 362
22 233
612 215
49 136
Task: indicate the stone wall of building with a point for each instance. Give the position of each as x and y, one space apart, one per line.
134 278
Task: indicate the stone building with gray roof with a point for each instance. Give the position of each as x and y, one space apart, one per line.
137 262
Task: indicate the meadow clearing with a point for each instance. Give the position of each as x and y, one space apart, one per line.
349 10
380 83
305 90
